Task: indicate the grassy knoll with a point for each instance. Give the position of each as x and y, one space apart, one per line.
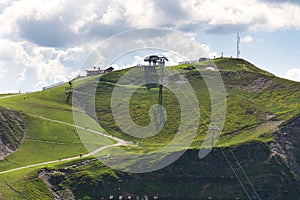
257 103
44 140
49 103
255 100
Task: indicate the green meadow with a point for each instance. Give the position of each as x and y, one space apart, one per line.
257 103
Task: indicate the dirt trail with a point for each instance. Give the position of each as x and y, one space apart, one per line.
119 141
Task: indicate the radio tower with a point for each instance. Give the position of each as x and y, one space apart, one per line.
238 39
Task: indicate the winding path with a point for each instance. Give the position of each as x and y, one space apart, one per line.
9 96
119 141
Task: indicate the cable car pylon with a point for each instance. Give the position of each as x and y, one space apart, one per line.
151 77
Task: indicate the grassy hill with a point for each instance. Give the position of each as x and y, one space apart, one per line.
256 100
250 157
44 140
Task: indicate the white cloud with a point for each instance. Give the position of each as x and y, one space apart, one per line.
43 41
56 22
2 69
25 64
5 2
246 39
208 51
293 74
242 15
138 60
22 76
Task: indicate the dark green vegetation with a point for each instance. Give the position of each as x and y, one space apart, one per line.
187 178
260 139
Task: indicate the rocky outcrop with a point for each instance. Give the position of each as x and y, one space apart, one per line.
286 146
12 131
227 173
259 84
57 192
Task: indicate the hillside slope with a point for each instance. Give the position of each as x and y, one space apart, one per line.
256 156
257 102
252 170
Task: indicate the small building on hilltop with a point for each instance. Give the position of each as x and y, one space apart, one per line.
96 71
203 59
110 69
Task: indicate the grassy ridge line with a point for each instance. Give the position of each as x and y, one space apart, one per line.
280 98
232 93
255 98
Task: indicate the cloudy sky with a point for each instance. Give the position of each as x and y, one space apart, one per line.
46 41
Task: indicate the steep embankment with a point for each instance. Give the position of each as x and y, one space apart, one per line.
12 131
226 173
286 146
257 156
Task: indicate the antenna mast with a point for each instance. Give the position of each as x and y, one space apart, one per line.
238 39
